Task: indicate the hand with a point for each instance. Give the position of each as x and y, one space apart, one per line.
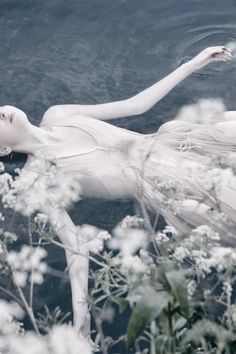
210 55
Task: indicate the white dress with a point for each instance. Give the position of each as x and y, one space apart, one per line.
169 171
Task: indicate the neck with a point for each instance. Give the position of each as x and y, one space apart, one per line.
35 140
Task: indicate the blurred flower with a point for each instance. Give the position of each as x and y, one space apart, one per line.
91 238
128 236
227 288
25 262
204 111
132 263
41 220
181 253
41 184
2 167
191 287
65 340
10 312
204 231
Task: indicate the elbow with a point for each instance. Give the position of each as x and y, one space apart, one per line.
137 107
141 109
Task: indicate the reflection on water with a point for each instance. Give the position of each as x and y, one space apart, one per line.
78 51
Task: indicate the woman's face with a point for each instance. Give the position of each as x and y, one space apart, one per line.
13 123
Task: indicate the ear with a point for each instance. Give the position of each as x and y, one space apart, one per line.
5 150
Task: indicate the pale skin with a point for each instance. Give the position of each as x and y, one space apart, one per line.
17 132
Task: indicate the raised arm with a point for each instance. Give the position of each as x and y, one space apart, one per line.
146 99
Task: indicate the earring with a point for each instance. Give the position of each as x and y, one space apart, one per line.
5 150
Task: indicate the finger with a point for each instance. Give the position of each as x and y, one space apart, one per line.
228 50
222 54
220 49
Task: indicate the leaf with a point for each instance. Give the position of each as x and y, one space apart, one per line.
162 344
177 283
205 328
146 310
179 324
122 304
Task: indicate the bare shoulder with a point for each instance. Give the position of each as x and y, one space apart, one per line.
51 115
55 114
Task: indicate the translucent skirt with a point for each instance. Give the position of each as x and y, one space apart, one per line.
187 174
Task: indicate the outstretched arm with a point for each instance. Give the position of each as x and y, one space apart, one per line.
144 100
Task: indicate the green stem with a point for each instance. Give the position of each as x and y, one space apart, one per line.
28 309
31 292
10 294
170 330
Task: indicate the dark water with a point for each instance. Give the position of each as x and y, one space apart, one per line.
94 51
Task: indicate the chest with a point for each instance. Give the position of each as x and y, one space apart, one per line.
72 141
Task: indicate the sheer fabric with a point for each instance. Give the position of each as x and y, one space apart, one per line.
168 171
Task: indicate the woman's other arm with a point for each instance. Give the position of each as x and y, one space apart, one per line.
78 265
144 100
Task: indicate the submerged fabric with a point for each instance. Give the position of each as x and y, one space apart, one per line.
172 169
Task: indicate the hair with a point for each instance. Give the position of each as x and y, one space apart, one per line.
5 150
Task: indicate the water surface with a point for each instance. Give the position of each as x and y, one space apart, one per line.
85 52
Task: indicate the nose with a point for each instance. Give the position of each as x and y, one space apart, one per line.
12 117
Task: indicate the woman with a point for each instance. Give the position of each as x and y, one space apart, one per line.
112 162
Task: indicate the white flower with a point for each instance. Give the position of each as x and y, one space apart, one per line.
9 236
131 221
91 238
41 219
94 246
128 240
36 277
25 262
5 183
227 288
191 287
170 229
20 278
161 237
145 257
181 253
29 343
206 231
2 167
205 110
10 311
65 340
41 184
133 263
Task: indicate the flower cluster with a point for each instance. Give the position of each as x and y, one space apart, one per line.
129 237
27 264
91 239
37 185
10 311
164 235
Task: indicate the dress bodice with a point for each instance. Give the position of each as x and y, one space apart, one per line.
98 153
